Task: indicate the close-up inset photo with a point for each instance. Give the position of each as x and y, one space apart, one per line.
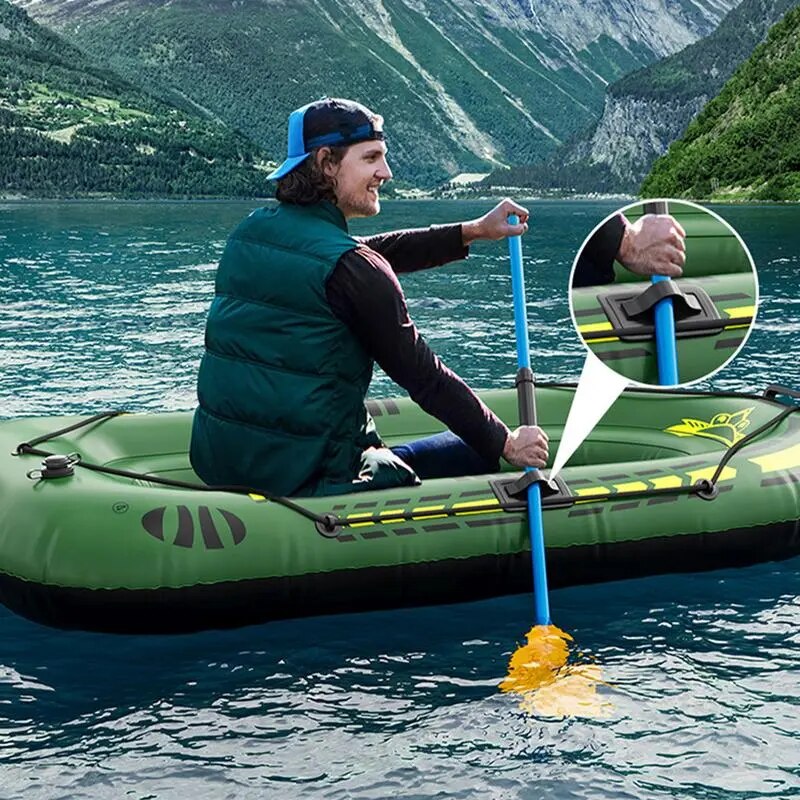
664 292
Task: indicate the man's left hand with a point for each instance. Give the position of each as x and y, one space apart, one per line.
495 225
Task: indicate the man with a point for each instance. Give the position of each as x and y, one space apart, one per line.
302 311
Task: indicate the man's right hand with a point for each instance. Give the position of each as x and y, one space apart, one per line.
526 447
653 245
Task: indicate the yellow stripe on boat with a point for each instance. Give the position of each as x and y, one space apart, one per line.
632 486
740 311
592 493
425 512
787 458
667 482
727 474
490 507
595 327
360 515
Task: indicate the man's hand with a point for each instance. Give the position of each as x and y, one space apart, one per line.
526 447
653 246
495 225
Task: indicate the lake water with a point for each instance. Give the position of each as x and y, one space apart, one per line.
103 307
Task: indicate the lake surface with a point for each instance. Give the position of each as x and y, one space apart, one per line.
103 306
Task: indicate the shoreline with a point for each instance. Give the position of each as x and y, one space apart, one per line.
518 192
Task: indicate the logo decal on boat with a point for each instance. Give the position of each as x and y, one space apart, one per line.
724 427
153 523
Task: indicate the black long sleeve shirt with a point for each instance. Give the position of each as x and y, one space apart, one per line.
596 262
363 291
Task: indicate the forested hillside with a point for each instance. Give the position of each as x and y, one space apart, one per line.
745 144
648 109
69 127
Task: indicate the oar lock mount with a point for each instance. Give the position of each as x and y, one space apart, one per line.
631 314
512 492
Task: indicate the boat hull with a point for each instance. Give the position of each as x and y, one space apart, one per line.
105 552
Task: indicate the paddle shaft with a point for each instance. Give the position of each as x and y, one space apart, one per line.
527 416
664 321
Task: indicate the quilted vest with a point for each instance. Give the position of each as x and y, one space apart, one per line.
282 382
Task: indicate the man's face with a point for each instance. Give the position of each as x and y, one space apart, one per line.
359 176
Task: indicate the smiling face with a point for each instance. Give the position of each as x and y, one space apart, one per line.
358 178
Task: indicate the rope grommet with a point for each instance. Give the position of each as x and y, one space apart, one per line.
328 525
706 490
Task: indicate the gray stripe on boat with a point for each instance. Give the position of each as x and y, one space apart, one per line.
728 344
480 523
583 512
620 355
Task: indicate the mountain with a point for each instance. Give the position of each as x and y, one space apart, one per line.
745 144
649 108
69 127
464 85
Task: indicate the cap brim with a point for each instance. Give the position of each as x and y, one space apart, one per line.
287 167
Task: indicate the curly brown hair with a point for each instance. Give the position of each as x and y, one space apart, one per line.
308 183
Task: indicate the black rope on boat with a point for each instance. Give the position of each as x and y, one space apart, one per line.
734 449
202 487
27 447
329 525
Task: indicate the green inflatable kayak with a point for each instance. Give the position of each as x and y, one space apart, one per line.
715 307
98 530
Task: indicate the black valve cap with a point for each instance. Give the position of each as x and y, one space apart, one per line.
57 466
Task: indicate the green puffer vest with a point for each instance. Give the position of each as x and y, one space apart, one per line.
282 382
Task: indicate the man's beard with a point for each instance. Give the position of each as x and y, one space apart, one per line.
360 205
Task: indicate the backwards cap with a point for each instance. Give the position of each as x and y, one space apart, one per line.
328 122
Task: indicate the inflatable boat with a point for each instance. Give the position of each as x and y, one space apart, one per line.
103 525
714 304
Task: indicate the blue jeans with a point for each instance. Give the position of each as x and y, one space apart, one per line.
443 455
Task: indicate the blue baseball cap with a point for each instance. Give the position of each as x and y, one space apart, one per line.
328 122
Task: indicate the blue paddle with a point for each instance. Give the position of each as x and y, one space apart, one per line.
527 415
666 346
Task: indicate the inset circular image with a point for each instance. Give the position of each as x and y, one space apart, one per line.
664 292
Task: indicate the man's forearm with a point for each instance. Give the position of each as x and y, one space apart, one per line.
419 248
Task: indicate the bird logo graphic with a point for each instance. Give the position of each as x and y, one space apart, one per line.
723 427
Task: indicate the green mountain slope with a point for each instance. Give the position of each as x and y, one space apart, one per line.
745 144
68 127
703 67
649 108
464 86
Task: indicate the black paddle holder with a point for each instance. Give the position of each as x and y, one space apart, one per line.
632 314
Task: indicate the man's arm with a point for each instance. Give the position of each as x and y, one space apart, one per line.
596 262
422 248
364 293
419 248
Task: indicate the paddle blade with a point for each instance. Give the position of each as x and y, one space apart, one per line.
547 684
